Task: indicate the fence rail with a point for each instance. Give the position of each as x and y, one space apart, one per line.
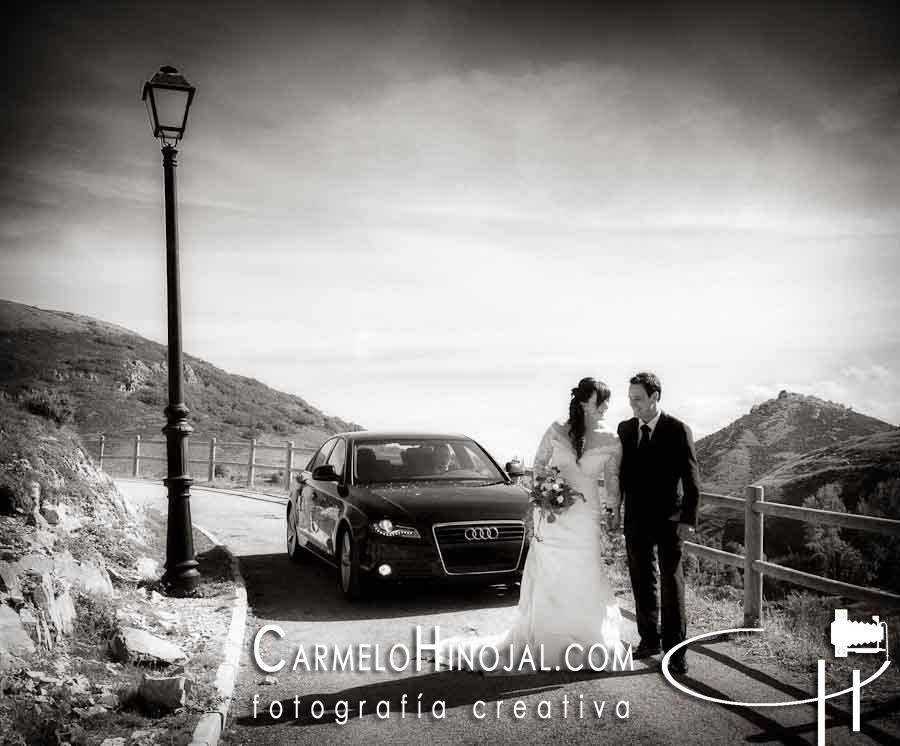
241 454
755 566
753 506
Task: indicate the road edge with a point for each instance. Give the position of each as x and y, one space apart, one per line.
210 726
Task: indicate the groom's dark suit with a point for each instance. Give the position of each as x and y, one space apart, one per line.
660 487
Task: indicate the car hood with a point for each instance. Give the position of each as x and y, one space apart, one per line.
433 503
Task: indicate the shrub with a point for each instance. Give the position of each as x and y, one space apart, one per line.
96 620
49 404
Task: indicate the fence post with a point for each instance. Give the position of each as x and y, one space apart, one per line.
102 449
753 551
212 459
137 456
251 465
289 464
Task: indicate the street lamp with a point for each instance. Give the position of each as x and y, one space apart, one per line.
168 97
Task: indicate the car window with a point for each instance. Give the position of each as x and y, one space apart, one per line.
416 459
338 457
322 454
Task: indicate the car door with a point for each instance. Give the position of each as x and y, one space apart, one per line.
327 504
306 495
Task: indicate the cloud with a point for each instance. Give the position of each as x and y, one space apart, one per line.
873 390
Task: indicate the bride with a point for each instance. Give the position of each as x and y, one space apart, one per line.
567 614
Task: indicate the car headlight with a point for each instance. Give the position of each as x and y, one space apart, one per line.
386 527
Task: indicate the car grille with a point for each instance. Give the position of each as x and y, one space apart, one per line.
469 548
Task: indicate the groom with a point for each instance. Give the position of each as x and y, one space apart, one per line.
660 488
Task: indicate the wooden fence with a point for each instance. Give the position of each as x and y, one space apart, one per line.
753 506
243 454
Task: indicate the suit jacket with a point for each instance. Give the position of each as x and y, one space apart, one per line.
669 483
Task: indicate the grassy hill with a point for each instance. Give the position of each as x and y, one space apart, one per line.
107 379
773 433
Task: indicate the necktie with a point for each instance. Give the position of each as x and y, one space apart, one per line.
644 445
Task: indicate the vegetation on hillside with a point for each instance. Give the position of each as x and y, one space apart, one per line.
105 379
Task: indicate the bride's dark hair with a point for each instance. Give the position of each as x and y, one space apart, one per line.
580 394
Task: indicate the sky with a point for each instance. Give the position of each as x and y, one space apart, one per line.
441 215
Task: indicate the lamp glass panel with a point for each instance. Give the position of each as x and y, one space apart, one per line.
170 107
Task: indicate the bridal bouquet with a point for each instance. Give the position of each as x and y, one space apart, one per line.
552 495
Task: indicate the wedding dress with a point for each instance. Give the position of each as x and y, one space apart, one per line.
566 597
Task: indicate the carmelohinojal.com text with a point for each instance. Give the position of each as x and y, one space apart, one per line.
365 657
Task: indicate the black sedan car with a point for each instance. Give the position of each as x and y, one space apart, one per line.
385 507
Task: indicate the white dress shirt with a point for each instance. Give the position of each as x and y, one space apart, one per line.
651 424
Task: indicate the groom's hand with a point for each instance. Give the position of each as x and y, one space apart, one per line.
615 519
686 532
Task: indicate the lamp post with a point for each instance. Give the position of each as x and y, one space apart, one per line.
168 97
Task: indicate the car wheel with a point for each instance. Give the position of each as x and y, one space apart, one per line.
349 575
294 551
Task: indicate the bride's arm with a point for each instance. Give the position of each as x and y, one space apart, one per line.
544 452
611 480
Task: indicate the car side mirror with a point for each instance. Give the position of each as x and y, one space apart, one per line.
515 469
325 473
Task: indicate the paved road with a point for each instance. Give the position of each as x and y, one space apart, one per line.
305 602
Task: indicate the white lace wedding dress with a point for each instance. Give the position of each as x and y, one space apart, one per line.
566 595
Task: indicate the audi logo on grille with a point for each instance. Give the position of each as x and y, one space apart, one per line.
482 533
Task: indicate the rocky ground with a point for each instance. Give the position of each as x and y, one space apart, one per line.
92 650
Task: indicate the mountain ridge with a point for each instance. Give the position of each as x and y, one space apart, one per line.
772 433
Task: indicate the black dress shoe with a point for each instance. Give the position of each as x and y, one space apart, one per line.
678 666
645 651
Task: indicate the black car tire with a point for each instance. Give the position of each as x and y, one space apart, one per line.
294 550
351 580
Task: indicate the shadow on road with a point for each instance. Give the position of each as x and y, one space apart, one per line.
453 688
280 589
836 716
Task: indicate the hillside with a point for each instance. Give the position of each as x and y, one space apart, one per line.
115 381
773 433
861 475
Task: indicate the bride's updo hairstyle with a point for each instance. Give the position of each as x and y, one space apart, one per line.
581 394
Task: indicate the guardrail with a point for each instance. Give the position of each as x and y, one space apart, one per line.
217 453
755 508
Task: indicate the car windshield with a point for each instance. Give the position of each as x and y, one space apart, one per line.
421 459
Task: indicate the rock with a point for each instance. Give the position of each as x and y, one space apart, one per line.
92 711
143 737
44 600
36 564
67 614
42 677
108 699
9 579
165 692
50 515
147 568
10 663
137 645
16 636
68 521
86 575
268 681
47 640
44 538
